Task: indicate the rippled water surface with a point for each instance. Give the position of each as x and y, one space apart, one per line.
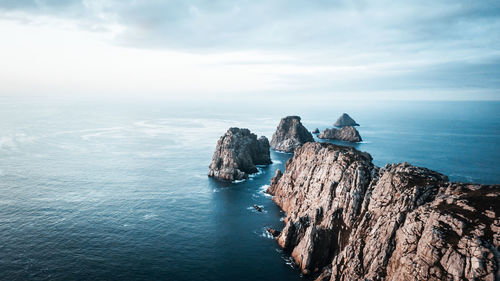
118 190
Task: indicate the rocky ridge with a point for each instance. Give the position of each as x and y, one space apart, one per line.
348 219
237 153
347 133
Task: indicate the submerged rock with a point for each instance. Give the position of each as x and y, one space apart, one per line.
350 220
348 133
345 120
290 134
237 153
315 131
257 207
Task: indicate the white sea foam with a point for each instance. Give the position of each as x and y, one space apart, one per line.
13 141
252 208
263 189
149 216
260 172
282 152
110 132
266 234
238 181
277 162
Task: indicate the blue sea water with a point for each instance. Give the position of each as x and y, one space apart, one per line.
117 190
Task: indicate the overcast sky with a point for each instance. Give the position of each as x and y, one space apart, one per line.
346 49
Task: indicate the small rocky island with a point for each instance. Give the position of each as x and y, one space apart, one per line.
290 134
348 133
347 219
237 153
345 120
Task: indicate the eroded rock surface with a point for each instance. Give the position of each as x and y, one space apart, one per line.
348 133
345 120
237 153
350 220
290 134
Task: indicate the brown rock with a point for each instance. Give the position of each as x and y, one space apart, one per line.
237 153
273 232
350 220
290 134
348 133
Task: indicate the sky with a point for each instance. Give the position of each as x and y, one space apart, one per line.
447 50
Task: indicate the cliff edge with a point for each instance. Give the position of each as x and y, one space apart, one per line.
348 219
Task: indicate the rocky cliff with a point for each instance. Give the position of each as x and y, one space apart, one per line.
290 134
347 133
350 220
345 120
237 153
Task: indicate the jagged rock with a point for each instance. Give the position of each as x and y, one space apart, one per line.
347 133
315 131
290 134
237 153
273 232
350 220
345 120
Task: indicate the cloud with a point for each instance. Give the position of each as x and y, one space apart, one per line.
338 44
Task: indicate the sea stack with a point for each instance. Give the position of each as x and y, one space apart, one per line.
345 120
290 134
347 219
315 131
347 133
237 153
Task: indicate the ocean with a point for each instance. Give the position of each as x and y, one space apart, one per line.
118 190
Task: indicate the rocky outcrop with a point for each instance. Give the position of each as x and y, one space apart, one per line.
345 120
273 232
350 220
348 133
315 131
237 154
290 134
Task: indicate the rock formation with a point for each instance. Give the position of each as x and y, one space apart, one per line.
347 133
273 232
345 120
290 134
237 153
257 208
350 220
315 131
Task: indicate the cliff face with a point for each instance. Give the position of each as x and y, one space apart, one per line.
347 133
237 153
290 134
350 220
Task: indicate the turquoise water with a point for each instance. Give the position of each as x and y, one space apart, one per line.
118 190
